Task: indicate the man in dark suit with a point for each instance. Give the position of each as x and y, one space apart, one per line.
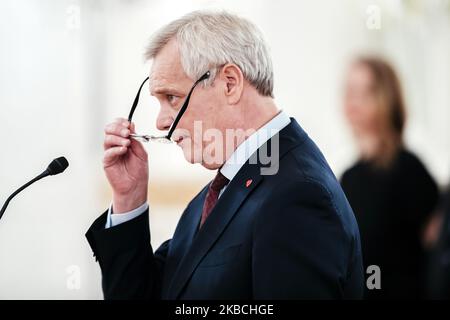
273 224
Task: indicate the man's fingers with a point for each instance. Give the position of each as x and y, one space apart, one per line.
138 149
118 129
120 120
112 154
117 137
115 141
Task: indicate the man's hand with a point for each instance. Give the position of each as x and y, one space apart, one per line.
126 166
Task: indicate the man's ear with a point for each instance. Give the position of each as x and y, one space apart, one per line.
232 75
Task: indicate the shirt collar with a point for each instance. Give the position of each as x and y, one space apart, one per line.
253 143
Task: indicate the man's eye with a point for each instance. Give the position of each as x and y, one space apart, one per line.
171 98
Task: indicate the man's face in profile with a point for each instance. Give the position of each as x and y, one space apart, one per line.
207 110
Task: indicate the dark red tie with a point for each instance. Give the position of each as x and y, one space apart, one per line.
216 185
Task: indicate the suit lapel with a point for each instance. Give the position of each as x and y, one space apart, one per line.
183 236
195 243
221 215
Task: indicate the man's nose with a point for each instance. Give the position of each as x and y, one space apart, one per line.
164 120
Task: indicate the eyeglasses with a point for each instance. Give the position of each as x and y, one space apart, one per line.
166 138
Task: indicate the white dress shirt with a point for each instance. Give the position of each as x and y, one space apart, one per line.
230 167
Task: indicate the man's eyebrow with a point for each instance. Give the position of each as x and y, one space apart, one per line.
163 90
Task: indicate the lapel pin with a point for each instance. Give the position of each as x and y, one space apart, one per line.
248 182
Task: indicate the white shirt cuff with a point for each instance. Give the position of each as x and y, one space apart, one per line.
114 219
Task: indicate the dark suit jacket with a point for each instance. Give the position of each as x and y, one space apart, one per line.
291 235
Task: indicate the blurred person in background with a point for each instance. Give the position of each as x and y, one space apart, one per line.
390 190
437 241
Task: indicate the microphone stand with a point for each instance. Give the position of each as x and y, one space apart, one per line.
39 177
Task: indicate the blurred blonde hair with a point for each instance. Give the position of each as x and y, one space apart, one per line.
387 91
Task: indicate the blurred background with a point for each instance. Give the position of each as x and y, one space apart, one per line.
69 67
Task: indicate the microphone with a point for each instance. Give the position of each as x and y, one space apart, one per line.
55 167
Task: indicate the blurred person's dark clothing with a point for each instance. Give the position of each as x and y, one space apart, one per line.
439 272
391 206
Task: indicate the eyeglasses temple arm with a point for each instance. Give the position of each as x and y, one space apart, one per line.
185 105
136 101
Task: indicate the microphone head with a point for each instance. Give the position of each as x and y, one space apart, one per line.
57 166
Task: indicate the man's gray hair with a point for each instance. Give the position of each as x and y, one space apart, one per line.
210 39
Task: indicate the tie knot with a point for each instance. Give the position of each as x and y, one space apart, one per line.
219 182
